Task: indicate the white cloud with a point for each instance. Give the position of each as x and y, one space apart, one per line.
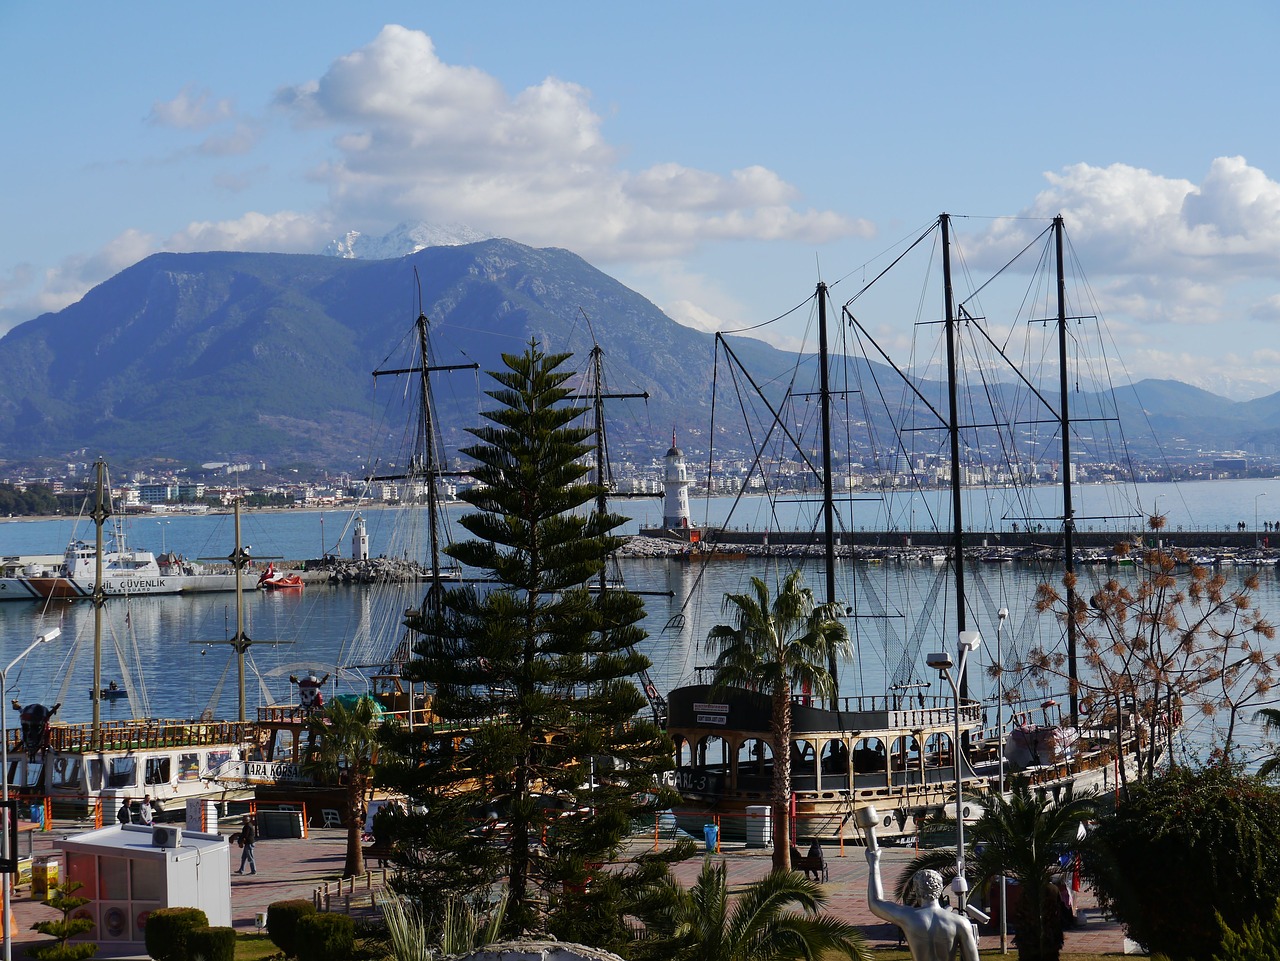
191 109
1127 220
421 139
282 232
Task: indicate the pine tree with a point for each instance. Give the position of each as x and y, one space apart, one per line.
540 765
64 900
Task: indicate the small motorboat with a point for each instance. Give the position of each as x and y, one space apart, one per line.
112 692
273 580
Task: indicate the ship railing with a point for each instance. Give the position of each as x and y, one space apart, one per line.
897 710
141 735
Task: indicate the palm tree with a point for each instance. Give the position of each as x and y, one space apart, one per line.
1023 837
343 750
775 648
1270 718
700 924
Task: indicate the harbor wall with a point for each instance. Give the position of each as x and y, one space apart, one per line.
1020 540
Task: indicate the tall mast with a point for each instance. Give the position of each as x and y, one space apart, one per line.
430 470
423 465
1068 513
957 536
101 511
828 503
240 643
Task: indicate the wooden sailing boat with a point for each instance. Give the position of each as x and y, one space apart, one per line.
89 769
898 750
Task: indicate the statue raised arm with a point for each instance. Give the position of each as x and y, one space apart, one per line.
932 932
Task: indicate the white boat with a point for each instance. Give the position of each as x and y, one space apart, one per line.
125 572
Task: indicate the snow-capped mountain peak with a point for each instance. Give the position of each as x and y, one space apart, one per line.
403 240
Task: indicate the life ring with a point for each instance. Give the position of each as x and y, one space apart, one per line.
650 691
1086 706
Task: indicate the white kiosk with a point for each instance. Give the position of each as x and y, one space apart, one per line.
130 870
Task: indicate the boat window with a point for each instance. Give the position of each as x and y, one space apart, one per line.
835 757
868 756
937 749
66 771
188 767
755 757
158 770
906 752
684 752
713 753
35 770
215 762
95 775
122 773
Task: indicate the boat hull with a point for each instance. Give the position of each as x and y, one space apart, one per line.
73 588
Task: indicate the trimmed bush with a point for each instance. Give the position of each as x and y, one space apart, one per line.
168 930
212 944
282 923
328 937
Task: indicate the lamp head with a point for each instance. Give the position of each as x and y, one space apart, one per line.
970 641
1003 613
49 635
939 661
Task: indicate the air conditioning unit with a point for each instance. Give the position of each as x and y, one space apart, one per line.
163 836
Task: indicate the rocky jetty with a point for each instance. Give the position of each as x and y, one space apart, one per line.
377 570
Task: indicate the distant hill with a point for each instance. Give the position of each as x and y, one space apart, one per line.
223 356
193 356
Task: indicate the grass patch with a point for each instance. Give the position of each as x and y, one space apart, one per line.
255 947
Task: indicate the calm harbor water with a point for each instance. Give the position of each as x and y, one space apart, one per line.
168 650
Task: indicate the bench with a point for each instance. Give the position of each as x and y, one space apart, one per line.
812 864
377 852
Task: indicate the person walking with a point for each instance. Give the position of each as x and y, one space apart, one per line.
248 837
123 815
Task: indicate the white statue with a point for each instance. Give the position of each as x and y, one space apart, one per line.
932 931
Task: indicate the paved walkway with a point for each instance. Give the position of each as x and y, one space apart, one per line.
294 868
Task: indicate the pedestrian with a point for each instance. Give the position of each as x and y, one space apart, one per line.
247 837
123 815
145 814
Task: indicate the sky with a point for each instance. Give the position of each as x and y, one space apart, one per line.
718 158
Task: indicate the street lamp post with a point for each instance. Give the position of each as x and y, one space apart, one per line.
1002 615
1257 542
161 525
4 768
970 641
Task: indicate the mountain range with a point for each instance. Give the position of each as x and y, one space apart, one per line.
201 356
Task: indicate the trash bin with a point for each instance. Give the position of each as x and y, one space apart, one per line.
37 815
711 833
44 878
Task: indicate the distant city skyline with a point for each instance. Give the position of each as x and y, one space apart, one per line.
719 161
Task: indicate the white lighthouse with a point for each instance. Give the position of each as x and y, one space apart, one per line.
359 541
675 508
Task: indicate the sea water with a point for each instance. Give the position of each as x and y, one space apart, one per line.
171 653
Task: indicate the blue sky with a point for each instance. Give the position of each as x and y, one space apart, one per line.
716 157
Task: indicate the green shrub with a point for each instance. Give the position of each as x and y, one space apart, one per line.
1258 940
212 944
168 929
328 937
1183 848
282 923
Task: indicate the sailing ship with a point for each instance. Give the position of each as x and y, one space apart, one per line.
89 769
902 751
284 732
